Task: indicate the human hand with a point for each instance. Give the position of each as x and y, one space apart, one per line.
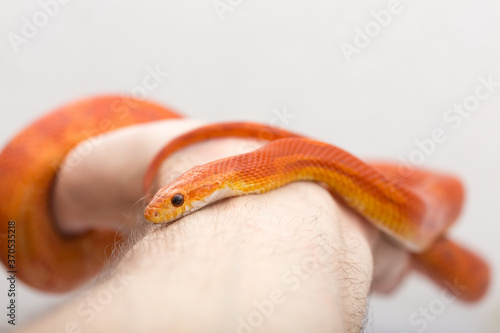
294 225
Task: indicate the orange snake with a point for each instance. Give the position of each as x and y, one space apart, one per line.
415 210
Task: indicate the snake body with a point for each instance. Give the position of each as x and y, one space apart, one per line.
415 210
29 164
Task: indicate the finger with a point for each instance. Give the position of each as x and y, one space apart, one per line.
99 189
391 265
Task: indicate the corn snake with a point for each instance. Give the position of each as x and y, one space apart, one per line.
415 210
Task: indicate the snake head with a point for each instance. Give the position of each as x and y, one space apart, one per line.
168 205
190 192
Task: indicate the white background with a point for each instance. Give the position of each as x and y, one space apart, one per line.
285 55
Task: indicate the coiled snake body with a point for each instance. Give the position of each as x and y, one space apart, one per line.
415 210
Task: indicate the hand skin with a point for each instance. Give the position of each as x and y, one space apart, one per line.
291 260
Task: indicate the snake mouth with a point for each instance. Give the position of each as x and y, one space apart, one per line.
155 211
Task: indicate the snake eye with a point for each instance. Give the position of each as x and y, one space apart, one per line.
177 200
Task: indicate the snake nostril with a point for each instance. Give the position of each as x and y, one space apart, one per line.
156 214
